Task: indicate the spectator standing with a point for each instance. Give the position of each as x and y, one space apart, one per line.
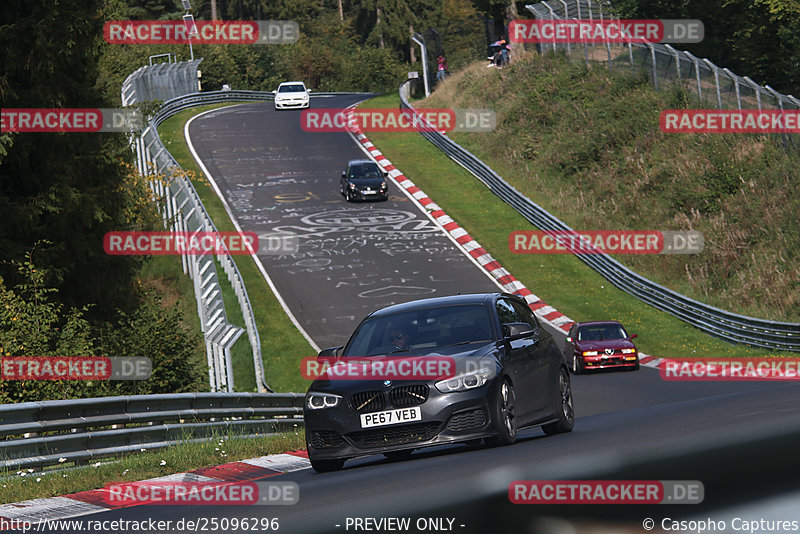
503 52
441 68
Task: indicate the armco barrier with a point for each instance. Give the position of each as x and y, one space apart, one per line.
723 324
39 434
182 210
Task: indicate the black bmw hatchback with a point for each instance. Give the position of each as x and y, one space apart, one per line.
363 179
436 371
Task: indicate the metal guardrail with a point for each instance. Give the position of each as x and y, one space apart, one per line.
663 63
723 324
182 210
40 434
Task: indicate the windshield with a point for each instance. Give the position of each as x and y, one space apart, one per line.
421 330
365 171
601 332
291 89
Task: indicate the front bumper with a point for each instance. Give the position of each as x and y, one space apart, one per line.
609 362
292 104
446 418
366 195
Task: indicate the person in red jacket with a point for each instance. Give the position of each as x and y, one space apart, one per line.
441 68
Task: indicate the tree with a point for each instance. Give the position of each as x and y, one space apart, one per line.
62 187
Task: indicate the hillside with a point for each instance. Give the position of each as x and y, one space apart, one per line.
586 145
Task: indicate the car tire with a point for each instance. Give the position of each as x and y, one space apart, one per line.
577 366
326 466
398 455
504 415
565 411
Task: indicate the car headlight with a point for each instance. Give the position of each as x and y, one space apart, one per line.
628 351
590 353
352 185
320 401
466 381
383 185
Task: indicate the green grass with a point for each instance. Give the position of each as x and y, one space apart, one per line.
586 145
560 280
177 459
282 345
165 275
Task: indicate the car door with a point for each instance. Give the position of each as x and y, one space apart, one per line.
545 360
518 362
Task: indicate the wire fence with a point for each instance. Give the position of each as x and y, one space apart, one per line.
665 66
162 81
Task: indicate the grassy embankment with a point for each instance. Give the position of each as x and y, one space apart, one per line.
586 146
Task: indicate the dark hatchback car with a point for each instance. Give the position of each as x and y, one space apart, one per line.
509 374
600 345
363 179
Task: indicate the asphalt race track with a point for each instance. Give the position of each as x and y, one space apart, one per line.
355 258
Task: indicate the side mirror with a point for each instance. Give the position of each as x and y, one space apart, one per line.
344 175
308 91
385 174
569 339
274 92
513 331
332 352
633 336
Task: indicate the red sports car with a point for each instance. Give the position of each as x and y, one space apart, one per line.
600 345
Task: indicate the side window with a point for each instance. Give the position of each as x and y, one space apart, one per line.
526 314
573 331
507 313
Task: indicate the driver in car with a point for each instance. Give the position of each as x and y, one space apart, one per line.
399 338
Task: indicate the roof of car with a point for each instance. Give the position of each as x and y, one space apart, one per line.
598 323
472 298
290 83
360 161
